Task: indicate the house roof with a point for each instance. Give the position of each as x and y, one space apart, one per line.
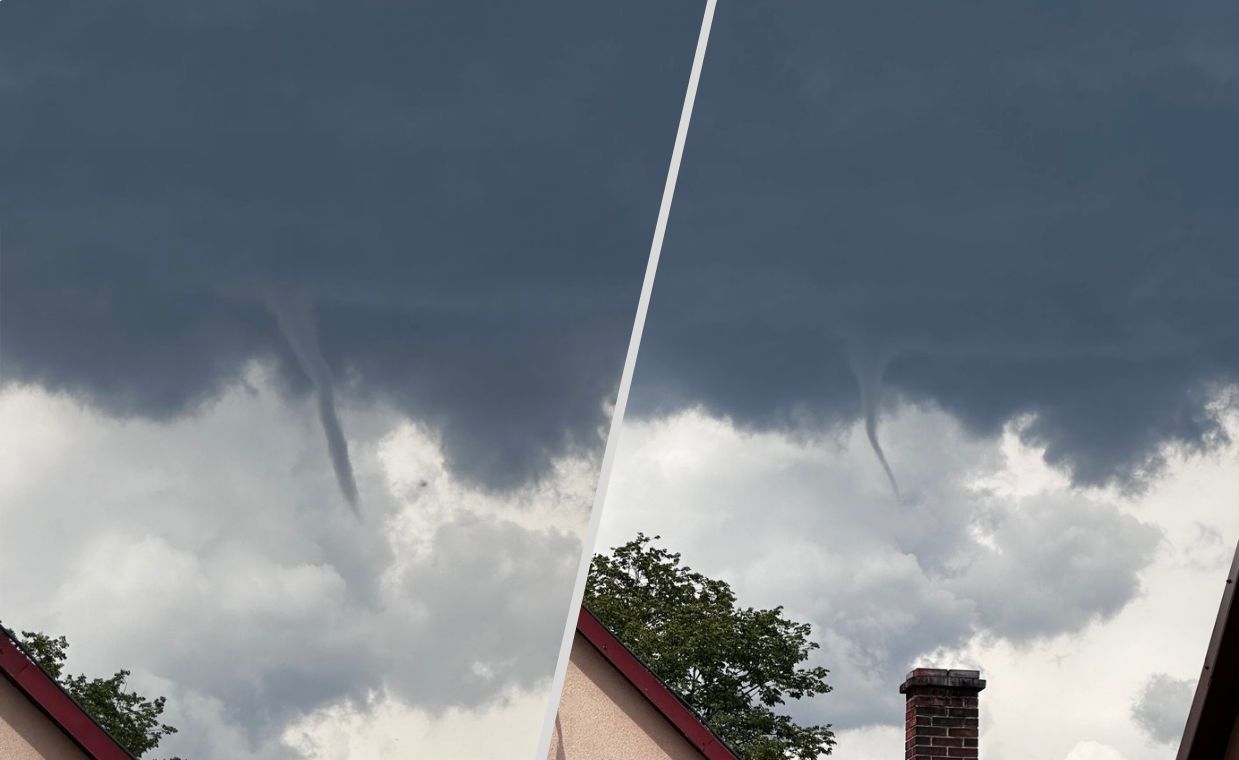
659 695
41 689
1216 704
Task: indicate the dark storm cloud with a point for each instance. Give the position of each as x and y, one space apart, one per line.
1025 209
463 192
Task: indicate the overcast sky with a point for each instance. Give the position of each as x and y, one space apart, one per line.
993 245
1089 611
312 314
267 264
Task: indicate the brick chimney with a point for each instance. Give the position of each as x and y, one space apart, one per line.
941 714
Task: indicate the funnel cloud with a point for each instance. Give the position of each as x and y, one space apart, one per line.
293 312
869 368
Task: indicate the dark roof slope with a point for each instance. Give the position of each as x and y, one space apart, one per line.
1216 705
41 689
664 700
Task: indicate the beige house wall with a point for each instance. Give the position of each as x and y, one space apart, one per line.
604 717
27 734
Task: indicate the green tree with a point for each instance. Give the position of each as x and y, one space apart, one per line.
733 665
131 719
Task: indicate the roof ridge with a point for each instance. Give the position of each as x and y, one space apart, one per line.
664 699
21 669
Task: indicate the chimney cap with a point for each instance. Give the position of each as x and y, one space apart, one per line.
943 678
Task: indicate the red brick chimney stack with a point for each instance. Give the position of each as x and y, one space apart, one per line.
941 716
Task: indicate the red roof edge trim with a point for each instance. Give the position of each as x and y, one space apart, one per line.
666 701
43 690
1212 717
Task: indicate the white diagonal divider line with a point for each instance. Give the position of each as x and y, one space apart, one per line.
621 401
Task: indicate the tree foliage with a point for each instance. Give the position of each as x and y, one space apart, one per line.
131 719
732 664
